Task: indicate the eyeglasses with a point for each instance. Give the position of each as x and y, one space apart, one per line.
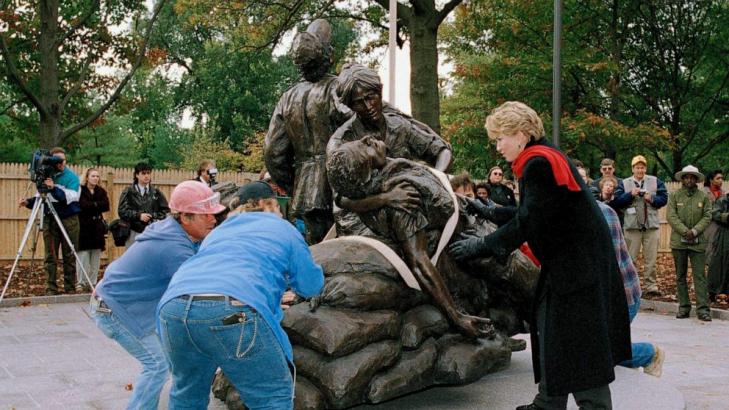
497 173
606 168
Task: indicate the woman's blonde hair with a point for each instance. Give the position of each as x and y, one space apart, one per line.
512 117
254 205
85 179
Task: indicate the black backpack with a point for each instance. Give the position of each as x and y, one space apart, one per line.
120 230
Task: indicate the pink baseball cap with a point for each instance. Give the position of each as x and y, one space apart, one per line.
194 197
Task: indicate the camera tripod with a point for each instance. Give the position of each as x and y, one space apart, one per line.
37 212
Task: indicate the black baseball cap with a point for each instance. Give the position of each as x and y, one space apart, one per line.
254 191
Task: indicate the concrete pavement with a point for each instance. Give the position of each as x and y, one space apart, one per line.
53 356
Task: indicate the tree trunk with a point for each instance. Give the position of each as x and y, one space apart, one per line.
424 93
50 123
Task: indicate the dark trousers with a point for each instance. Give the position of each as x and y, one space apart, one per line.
597 398
53 240
681 259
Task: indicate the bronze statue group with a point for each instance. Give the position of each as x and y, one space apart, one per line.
355 166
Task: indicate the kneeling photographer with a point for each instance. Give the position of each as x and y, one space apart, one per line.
52 177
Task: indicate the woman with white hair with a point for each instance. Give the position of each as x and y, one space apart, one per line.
579 323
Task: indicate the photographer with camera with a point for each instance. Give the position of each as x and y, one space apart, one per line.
141 203
206 172
52 177
643 195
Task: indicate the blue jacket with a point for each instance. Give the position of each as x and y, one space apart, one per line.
253 257
134 283
64 195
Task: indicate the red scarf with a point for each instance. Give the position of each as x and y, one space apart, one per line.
716 191
560 167
527 251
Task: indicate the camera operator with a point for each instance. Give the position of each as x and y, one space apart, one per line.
141 203
64 189
641 198
206 172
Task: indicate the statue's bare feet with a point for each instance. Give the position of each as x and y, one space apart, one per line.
474 326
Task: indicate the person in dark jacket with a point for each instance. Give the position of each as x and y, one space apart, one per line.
92 238
141 203
500 193
580 321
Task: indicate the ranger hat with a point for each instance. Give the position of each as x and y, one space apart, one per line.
637 159
689 170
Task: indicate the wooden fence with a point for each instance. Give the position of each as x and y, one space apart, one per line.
16 185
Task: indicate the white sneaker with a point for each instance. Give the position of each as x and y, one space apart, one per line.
655 367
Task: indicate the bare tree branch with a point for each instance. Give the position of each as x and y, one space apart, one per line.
447 9
661 162
139 59
79 23
713 143
282 28
15 77
77 86
403 12
342 15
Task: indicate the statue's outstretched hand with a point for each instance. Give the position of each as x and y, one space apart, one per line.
469 246
474 326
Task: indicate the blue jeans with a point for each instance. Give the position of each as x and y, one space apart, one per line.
642 353
147 350
197 342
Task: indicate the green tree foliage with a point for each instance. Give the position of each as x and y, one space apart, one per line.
618 95
204 146
237 90
50 53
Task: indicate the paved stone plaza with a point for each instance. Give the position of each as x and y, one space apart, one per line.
53 357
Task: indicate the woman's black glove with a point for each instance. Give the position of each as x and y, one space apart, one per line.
469 246
476 207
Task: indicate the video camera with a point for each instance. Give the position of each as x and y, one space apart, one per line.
43 165
212 173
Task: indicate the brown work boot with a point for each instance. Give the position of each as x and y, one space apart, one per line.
655 367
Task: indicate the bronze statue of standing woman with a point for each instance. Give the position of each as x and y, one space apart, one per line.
305 117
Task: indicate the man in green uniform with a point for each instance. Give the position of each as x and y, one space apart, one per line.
689 213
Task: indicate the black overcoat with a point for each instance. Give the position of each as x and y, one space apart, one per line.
587 327
91 235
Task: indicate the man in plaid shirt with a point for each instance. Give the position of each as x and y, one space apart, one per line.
646 355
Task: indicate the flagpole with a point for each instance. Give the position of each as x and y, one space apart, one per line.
392 46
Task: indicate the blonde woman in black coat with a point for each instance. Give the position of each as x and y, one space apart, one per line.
580 321
91 240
